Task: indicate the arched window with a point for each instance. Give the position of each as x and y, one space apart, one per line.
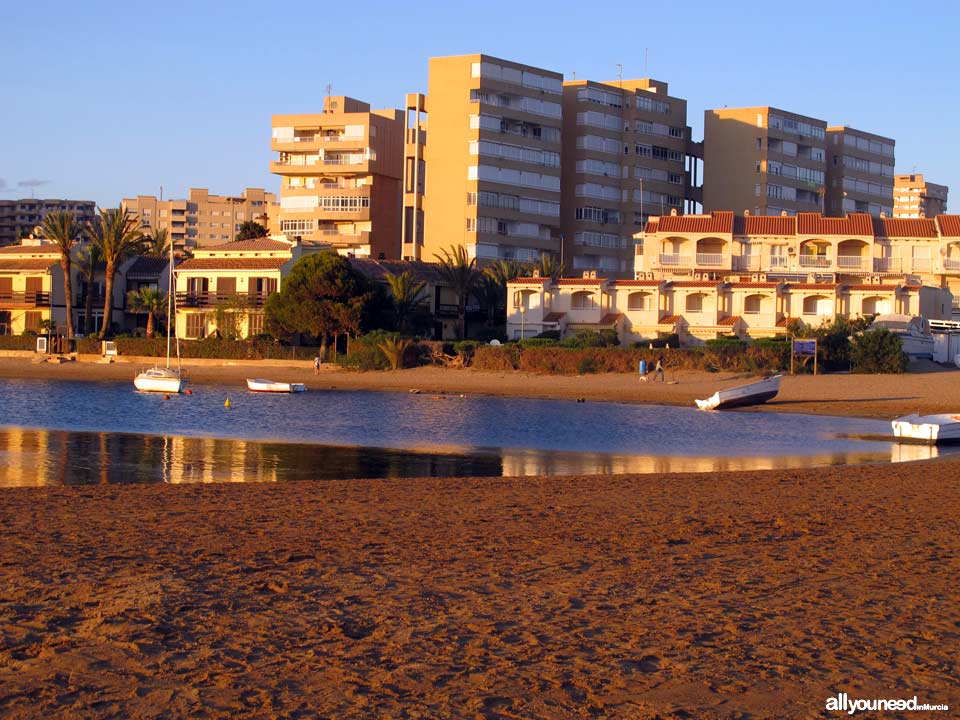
753 304
877 306
695 303
640 301
583 300
817 305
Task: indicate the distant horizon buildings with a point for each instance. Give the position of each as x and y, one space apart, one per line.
18 218
915 197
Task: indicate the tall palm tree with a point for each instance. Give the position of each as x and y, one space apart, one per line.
551 267
406 291
62 228
117 235
494 285
90 261
156 243
148 300
459 270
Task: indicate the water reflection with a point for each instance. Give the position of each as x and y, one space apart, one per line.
60 457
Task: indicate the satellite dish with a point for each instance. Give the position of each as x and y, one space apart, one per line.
495 342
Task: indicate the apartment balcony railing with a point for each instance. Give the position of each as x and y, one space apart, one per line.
951 264
24 299
344 160
850 262
709 259
212 299
887 265
921 264
779 261
98 299
746 262
674 260
814 261
956 304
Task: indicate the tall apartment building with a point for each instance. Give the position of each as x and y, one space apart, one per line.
492 160
341 173
625 146
859 172
202 219
764 160
18 218
914 197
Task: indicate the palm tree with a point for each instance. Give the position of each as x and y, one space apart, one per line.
147 300
551 267
460 272
62 228
155 243
116 233
89 260
406 291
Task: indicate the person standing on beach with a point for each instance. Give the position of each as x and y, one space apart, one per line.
658 370
316 365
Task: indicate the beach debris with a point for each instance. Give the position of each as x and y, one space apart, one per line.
226 403
166 397
414 391
188 391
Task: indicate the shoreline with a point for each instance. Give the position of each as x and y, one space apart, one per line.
866 396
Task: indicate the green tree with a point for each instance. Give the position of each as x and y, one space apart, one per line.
493 286
322 296
877 351
406 291
116 234
148 300
250 229
459 270
62 228
90 261
156 242
550 266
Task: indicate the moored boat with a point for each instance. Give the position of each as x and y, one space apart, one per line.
159 379
929 429
262 385
753 393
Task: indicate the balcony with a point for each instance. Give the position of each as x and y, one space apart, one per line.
709 259
779 261
98 299
921 264
212 299
814 261
746 262
851 262
891 265
314 142
951 265
24 299
671 260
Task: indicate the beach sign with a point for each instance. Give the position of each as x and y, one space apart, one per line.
804 349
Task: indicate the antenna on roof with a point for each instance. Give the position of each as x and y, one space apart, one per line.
620 74
326 103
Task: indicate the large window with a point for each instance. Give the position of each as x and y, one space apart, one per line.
583 300
640 301
196 325
694 303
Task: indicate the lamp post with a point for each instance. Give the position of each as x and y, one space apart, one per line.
523 311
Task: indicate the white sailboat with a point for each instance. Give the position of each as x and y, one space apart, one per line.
753 393
164 379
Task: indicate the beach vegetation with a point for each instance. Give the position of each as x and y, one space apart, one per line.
148 300
62 229
249 230
406 292
116 234
877 351
460 272
155 243
394 348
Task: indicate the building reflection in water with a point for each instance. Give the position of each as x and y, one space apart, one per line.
55 457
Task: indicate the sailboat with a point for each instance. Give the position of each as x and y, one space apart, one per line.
164 379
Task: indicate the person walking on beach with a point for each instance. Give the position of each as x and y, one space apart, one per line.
316 365
658 370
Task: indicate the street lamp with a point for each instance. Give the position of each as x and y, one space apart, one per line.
523 311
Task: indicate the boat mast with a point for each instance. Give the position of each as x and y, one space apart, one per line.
170 290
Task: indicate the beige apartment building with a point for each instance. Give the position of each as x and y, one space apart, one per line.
202 219
625 146
340 173
763 160
860 172
18 218
913 197
492 160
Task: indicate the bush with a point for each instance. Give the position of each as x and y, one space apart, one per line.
365 352
727 342
671 340
877 351
504 357
18 342
589 338
537 342
547 335
485 335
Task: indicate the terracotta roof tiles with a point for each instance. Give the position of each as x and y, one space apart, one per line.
610 318
904 228
256 244
580 281
636 283
851 225
670 319
812 286
148 265
754 285
553 317
696 283
232 263
764 225
730 321
949 225
30 250
719 221
30 264
869 286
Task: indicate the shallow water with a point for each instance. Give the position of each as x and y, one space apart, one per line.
77 432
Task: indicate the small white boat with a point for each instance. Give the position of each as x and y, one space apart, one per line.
929 429
914 333
261 385
159 379
753 393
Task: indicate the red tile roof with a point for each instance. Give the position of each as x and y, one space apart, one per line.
904 228
731 320
636 283
580 281
32 264
232 263
868 286
610 318
852 224
812 286
782 322
719 221
912 287
553 317
651 227
764 225
754 285
696 283
670 319
949 225
30 250
261 244
531 280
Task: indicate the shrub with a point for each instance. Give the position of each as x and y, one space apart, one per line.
877 351
726 342
365 353
537 342
18 342
504 357
589 338
547 335
394 349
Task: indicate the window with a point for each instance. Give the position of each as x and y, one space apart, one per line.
471 224
694 303
32 320
255 325
196 325
471 198
640 301
583 300
752 304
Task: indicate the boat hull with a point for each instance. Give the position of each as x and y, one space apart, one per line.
927 429
155 383
260 385
742 396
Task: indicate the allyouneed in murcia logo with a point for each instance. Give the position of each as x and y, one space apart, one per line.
844 703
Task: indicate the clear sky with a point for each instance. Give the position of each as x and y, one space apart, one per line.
105 100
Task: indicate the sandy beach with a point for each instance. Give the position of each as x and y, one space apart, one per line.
737 595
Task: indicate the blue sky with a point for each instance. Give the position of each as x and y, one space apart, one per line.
106 100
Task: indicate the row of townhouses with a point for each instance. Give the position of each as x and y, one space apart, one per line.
723 275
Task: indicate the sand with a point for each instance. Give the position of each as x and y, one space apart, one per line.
739 595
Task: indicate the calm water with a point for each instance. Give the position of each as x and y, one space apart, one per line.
74 432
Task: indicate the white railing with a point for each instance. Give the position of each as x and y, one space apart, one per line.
673 260
951 264
814 261
343 160
887 264
778 261
710 259
921 264
850 262
746 262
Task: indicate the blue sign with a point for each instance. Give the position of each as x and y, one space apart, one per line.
804 347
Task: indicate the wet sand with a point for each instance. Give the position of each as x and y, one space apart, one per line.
736 595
